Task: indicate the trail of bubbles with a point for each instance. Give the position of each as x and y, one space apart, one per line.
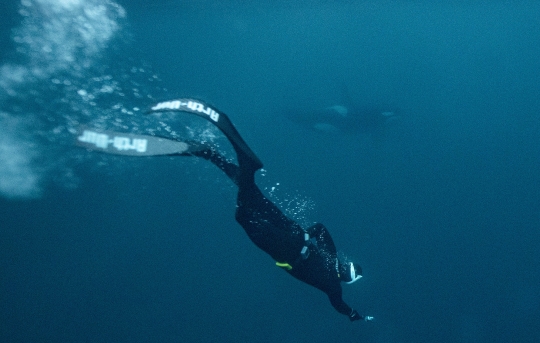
18 175
63 36
72 68
57 80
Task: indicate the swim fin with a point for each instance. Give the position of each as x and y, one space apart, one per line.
135 145
217 118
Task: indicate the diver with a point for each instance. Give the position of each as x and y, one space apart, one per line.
307 254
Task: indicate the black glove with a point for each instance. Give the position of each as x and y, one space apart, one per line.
354 316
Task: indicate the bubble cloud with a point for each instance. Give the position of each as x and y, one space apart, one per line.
58 42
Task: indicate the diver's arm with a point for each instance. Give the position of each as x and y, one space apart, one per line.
337 301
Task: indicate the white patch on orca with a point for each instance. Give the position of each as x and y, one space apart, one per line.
341 110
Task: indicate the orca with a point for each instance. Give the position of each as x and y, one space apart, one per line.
343 117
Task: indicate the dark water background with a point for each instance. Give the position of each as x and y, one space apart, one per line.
443 214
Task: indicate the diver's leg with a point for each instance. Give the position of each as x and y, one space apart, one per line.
242 175
253 206
229 168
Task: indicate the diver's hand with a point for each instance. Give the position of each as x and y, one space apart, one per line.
354 316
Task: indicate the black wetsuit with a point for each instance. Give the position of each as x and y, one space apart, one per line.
281 237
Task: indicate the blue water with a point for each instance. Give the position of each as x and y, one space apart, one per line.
442 211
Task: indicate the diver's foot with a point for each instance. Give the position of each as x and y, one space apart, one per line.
206 151
211 154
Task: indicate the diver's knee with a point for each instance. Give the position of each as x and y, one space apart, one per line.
316 229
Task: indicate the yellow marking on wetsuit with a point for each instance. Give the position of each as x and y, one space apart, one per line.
284 265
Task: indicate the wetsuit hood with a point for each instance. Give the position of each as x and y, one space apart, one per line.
350 272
